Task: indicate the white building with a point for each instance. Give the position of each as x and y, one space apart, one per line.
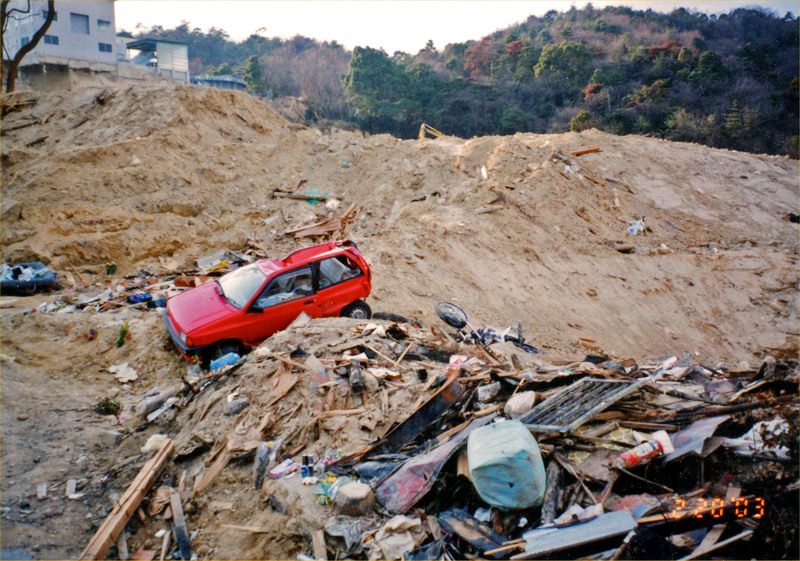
82 37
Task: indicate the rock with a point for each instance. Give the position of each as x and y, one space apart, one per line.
519 404
370 382
237 405
22 417
354 499
487 392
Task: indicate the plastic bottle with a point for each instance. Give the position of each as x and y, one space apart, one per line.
660 444
225 360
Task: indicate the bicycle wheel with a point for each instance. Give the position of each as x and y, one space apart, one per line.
451 314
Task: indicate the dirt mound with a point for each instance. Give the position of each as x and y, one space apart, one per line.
128 174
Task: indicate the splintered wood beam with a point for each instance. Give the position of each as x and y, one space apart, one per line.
587 150
126 506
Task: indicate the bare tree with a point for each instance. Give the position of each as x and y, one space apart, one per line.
6 14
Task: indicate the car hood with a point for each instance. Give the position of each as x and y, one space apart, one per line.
198 307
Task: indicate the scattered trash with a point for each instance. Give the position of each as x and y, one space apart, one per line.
399 536
124 373
221 261
26 278
122 334
636 227
225 360
505 466
140 297
424 444
660 444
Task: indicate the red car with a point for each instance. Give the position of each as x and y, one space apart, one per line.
242 308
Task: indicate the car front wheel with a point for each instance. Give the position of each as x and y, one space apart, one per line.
357 310
220 351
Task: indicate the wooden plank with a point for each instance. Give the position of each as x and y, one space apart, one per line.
489 208
504 549
587 150
108 532
249 529
383 356
179 525
318 545
208 477
745 534
341 412
164 546
305 197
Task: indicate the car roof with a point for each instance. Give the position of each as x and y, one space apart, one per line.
302 257
314 253
269 266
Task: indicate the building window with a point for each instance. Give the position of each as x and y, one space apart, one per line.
51 39
45 12
104 47
103 24
24 41
79 23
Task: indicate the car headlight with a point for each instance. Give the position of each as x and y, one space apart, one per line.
182 337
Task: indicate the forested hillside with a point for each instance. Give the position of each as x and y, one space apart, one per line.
729 81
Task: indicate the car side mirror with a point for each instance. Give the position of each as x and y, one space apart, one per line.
255 308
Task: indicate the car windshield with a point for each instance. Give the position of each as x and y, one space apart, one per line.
239 286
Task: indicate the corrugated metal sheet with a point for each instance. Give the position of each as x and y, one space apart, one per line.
578 403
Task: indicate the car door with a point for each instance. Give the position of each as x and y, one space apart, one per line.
283 299
339 284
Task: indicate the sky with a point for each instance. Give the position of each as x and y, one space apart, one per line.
393 25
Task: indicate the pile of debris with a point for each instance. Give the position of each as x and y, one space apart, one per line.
339 438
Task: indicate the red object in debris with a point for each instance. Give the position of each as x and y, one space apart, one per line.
660 444
91 334
242 308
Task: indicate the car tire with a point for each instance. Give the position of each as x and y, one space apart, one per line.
221 350
357 310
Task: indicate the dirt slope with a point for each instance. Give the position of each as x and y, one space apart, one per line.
128 174
149 176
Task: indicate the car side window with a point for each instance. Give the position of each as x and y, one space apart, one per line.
335 270
287 287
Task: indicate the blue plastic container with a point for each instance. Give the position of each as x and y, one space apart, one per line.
225 360
506 466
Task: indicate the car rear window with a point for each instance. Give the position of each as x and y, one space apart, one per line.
239 286
336 270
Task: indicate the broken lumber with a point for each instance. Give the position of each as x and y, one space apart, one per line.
745 534
333 224
250 529
305 197
318 545
341 412
587 150
489 208
208 477
109 531
179 525
552 493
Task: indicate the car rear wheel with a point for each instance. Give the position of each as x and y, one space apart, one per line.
357 310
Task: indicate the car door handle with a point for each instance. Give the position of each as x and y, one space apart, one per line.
309 303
